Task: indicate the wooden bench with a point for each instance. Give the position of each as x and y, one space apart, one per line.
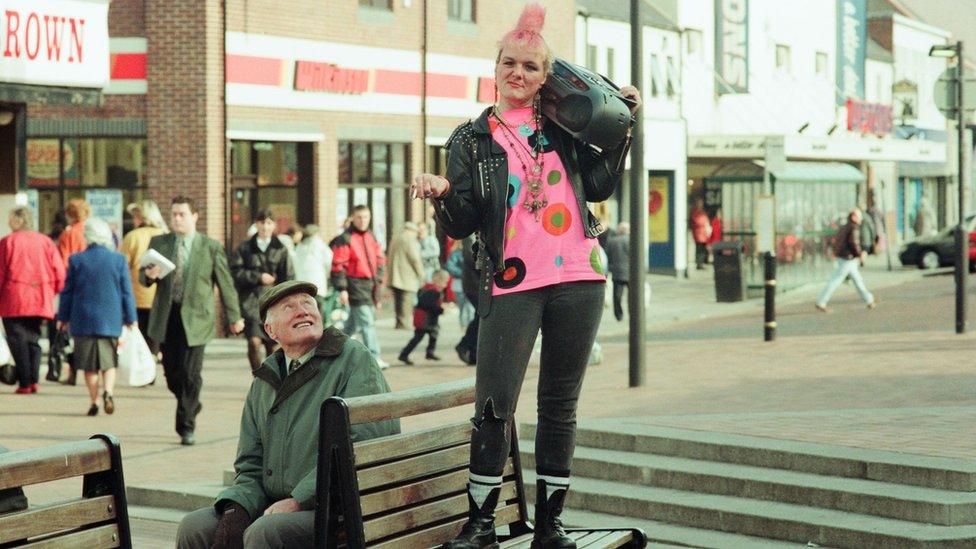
410 490
96 519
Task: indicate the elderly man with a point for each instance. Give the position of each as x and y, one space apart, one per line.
271 501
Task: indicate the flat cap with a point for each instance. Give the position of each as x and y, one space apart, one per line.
283 290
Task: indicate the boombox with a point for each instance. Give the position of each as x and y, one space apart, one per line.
585 104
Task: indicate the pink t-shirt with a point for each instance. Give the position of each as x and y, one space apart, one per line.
551 249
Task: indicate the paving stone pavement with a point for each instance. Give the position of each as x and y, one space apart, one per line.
914 394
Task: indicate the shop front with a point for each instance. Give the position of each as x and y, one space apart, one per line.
54 53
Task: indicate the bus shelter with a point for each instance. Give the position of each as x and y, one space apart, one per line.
812 202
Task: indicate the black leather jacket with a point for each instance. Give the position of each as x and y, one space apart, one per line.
477 168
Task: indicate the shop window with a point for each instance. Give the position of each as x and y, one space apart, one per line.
610 64
277 163
461 10
674 77
820 64
64 168
369 172
783 60
381 4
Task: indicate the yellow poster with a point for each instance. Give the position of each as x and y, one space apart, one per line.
659 228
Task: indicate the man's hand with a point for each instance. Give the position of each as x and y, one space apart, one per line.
230 528
237 327
153 272
344 298
267 279
289 505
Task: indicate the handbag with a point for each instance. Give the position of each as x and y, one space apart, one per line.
8 373
56 356
137 365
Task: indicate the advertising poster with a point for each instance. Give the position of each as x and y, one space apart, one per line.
107 205
658 211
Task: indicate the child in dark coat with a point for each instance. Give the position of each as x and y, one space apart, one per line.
426 313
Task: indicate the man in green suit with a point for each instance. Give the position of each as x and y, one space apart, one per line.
183 319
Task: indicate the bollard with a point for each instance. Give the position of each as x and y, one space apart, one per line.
769 270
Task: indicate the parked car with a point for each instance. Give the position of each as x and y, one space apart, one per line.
938 250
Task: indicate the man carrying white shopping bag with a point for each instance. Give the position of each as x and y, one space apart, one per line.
137 365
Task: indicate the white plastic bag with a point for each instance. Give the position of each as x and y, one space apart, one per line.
137 365
5 356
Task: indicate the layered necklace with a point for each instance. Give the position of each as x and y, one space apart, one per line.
535 197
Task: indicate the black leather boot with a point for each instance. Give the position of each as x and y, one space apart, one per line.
549 532
479 531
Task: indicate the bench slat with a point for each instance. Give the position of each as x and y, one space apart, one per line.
604 539
401 496
439 534
423 515
386 448
26 467
59 516
400 404
103 537
427 464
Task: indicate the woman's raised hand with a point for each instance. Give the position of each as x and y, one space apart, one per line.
428 185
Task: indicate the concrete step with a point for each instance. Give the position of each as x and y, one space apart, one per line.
158 514
661 534
173 496
820 459
912 503
767 519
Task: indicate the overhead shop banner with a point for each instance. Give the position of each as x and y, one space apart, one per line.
54 42
852 45
732 46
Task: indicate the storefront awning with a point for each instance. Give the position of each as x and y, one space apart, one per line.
818 172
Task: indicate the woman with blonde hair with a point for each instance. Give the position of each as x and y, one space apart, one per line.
522 183
148 222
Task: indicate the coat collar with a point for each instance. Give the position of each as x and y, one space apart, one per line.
329 346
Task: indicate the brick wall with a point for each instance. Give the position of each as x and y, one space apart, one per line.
184 111
127 18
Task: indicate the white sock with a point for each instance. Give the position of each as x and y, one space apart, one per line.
554 483
480 487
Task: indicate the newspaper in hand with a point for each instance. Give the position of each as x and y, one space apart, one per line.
152 257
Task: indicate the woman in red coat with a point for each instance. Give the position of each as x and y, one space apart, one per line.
31 273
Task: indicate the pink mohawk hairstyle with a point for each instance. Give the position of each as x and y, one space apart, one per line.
528 32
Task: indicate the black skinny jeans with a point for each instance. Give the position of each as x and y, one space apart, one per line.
568 315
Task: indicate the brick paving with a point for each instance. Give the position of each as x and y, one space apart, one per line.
907 391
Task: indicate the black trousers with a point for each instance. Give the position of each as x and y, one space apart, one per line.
23 334
701 254
418 335
568 315
618 293
182 366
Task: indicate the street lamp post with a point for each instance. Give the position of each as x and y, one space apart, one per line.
950 51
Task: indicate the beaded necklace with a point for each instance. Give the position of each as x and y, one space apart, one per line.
535 198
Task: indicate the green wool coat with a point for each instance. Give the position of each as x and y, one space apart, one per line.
206 265
277 452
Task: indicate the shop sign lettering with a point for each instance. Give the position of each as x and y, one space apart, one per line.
54 42
852 36
732 46
327 77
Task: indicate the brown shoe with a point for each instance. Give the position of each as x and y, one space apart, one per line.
108 403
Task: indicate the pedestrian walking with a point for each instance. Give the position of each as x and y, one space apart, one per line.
357 269
455 267
96 301
850 256
715 233
426 315
313 261
618 261
31 274
540 266
257 264
701 229
430 249
406 272
183 319
72 238
147 222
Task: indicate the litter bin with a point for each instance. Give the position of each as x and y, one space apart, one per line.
727 260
